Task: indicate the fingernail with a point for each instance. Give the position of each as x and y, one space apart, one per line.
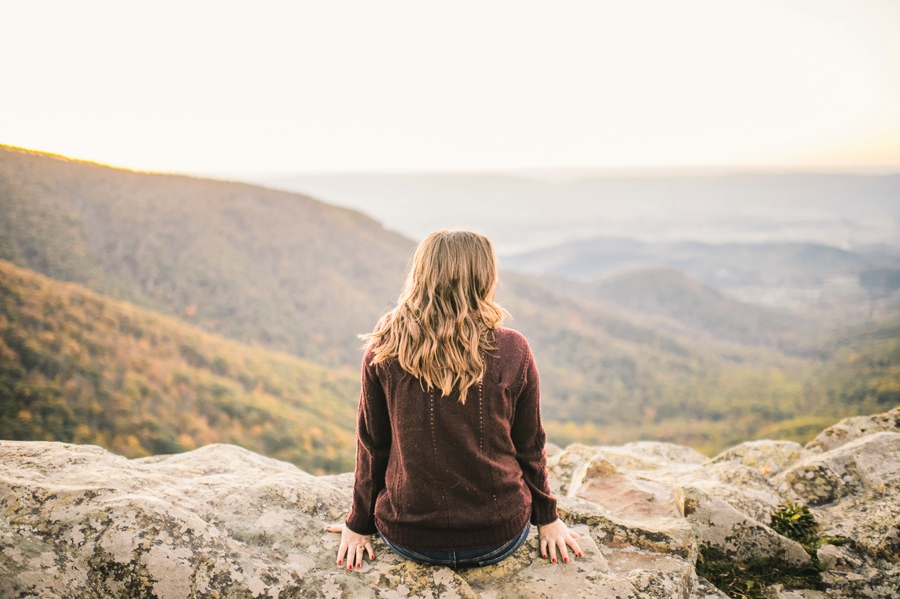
340 562
580 555
349 567
566 560
554 561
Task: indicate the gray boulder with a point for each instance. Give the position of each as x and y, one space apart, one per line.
735 534
769 457
222 522
855 427
865 465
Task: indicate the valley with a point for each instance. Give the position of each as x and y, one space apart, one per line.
634 339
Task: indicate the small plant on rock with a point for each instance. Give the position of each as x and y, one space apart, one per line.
795 522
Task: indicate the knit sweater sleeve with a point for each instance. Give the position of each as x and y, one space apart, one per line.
373 446
529 437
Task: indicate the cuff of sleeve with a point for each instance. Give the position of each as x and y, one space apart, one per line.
361 526
544 513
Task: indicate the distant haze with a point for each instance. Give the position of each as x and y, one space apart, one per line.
522 213
421 86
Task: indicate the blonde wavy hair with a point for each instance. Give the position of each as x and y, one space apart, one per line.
440 326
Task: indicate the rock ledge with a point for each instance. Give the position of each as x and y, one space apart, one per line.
221 521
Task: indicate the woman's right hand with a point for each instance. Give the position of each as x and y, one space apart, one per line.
557 535
352 546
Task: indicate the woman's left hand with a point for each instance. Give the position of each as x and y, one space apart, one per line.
557 535
352 546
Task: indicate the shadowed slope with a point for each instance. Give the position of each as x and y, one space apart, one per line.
253 264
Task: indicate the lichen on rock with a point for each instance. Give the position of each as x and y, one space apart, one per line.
221 521
768 457
853 428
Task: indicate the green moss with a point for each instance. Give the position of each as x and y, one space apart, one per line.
750 580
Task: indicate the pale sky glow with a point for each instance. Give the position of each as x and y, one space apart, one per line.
404 86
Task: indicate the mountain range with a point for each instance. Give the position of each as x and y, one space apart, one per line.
523 211
257 265
648 353
789 274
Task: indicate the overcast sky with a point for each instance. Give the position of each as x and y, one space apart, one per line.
421 85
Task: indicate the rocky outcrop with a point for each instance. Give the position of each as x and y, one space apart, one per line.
864 466
769 457
737 535
855 427
77 521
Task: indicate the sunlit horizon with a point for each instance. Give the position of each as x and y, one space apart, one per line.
557 174
300 87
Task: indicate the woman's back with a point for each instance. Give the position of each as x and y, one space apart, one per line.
455 475
450 452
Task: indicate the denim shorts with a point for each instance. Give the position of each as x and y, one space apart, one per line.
467 558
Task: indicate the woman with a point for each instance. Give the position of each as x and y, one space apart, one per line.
450 463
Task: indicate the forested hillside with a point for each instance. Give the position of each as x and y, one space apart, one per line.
79 367
863 369
613 378
257 265
608 378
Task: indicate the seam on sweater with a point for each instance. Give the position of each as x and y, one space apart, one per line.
390 387
481 439
437 458
529 360
373 493
524 379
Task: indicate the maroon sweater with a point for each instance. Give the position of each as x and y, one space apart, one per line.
432 473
